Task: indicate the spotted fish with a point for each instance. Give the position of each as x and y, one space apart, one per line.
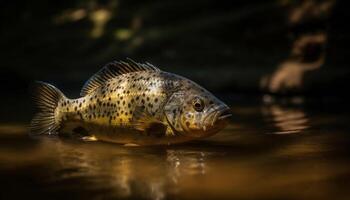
131 103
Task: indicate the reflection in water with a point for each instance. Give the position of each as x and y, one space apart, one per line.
287 120
185 163
129 174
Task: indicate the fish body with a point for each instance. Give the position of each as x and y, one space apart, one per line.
131 103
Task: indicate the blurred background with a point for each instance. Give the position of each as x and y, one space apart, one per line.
274 46
282 65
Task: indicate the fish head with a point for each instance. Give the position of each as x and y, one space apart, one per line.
196 113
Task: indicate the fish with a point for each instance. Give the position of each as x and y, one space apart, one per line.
130 103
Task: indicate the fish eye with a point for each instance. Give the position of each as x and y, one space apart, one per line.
198 104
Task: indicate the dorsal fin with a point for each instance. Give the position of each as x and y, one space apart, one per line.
112 70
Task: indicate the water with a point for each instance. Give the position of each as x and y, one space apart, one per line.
269 151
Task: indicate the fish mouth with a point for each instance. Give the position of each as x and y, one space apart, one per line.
213 122
217 118
224 114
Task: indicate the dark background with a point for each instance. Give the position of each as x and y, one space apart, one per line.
227 46
275 147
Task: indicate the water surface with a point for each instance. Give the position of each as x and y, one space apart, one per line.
269 151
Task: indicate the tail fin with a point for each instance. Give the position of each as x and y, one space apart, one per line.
46 98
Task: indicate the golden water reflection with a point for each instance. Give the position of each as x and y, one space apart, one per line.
187 172
129 171
287 120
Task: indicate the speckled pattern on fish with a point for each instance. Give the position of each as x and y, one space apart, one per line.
131 103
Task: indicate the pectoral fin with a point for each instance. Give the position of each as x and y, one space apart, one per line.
169 131
145 122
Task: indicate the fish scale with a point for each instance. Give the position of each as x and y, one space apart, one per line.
129 102
120 101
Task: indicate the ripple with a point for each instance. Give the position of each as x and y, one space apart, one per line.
286 120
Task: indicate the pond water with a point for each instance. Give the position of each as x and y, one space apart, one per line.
269 151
